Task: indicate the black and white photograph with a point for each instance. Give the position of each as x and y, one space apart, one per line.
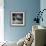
17 18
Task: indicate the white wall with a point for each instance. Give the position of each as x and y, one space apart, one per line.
1 21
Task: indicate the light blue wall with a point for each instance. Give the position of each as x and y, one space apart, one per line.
43 6
30 7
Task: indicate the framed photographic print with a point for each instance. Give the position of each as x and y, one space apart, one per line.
18 18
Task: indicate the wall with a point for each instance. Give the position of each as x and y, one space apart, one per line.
1 21
30 7
43 6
